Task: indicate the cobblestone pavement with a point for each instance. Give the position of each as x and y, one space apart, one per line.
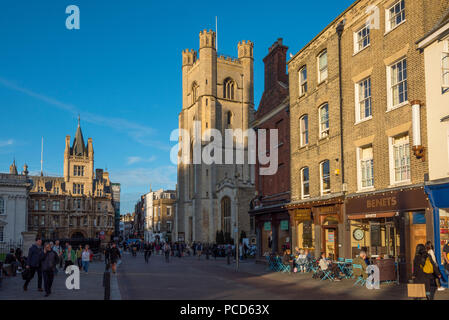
189 279
91 287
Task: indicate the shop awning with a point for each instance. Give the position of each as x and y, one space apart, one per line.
372 215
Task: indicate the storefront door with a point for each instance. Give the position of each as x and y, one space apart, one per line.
418 233
331 242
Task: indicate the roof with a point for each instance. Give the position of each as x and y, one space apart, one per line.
78 147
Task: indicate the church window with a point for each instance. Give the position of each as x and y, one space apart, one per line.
228 89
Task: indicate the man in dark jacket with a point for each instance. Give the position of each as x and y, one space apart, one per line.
114 255
34 264
48 264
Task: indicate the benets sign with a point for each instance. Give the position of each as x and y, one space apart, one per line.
398 200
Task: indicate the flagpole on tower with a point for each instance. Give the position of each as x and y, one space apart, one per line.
216 33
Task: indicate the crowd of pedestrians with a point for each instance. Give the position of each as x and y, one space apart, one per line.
46 260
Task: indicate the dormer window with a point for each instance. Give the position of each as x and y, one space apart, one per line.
228 89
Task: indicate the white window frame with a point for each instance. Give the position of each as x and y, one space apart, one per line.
303 195
304 132
390 85
392 159
169 211
359 39
359 100
323 133
445 70
323 72
302 81
359 151
322 190
2 206
389 17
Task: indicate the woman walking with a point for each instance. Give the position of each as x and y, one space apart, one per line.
431 252
49 262
69 257
425 271
85 257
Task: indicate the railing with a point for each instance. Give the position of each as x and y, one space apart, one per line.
5 247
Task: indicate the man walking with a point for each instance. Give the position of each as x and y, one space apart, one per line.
167 252
147 252
58 249
49 262
114 256
34 264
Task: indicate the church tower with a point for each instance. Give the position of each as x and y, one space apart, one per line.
218 93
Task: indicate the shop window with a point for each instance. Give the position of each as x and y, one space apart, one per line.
306 235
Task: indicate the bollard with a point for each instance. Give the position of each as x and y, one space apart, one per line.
107 284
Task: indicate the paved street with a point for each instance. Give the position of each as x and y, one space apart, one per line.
91 287
190 279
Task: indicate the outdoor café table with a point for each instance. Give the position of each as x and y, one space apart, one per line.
343 267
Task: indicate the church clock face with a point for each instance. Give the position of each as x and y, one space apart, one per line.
358 234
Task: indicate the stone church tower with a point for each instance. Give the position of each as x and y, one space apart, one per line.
218 92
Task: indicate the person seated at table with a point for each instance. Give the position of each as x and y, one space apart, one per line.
326 264
365 258
360 260
301 261
287 258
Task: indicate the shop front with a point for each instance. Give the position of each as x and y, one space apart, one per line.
273 230
388 225
317 226
438 194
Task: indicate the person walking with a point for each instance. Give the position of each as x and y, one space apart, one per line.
78 254
114 257
431 252
107 255
199 250
49 262
167 250
228 253
69 257
85 258
147 252
425 271
58 249
34 264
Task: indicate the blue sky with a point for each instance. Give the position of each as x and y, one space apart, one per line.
122 73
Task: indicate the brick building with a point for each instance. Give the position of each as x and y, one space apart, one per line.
359 156
271 219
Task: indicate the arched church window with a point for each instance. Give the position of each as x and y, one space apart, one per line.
229 87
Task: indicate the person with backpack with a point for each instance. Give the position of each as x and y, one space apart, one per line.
167 250
425 271
431 252
48 263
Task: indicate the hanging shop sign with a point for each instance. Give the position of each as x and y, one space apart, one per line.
267 226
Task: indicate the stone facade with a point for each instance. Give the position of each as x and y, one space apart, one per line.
160 214
217 93
14 190
77 205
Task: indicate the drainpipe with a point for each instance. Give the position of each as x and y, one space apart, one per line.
339 31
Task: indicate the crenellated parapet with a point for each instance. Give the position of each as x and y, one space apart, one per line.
189 57
245 49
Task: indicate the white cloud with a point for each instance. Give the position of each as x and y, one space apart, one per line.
132 160
5 143
163 177
140 133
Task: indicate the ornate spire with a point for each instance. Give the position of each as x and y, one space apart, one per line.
12 168
78 147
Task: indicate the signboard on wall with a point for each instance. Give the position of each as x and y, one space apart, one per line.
284 225
267 226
